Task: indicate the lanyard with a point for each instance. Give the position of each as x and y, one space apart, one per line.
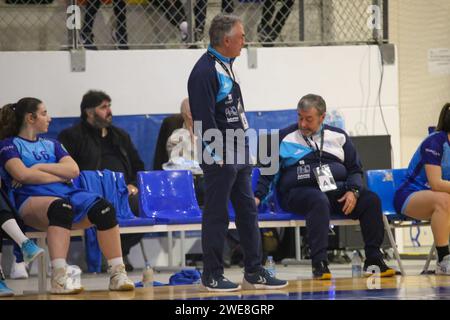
231 75
317 147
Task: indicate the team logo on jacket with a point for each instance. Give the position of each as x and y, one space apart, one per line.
232 114
229 99
303 172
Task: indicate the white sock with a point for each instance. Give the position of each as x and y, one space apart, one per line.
12 229
58 263
113 263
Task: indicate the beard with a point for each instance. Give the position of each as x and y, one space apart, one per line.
100 122
306 132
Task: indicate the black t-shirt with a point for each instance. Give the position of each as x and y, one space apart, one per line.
110 156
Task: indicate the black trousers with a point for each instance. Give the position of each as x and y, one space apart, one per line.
7 212
120 12
130 240
317 207
222 184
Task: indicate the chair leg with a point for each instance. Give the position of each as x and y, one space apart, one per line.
430 256
387 227
169 248
144 255
183 254
42 268
298 246
298 253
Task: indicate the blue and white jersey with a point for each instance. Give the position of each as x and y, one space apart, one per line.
298 159
32 152
223 77
215 98
434 150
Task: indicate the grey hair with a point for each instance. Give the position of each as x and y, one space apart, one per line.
221 26
312 101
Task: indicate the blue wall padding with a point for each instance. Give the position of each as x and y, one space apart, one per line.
144 129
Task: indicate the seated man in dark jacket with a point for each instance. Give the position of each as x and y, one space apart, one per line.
320 173
95 144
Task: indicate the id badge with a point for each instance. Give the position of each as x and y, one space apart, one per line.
325 178
242 116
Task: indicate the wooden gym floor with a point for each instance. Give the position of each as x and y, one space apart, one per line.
301 287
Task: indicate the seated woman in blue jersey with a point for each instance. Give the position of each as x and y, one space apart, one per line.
10 229
425 191
39 171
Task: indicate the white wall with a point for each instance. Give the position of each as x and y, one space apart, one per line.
155 81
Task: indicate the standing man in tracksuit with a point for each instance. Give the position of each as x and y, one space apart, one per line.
216 105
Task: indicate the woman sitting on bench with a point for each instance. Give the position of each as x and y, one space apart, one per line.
39 173
425 192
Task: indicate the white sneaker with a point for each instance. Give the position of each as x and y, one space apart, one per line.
74 272
119 280
443 267
184 31
63 283
18 271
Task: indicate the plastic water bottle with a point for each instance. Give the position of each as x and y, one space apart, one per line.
147 277
356 265
270 266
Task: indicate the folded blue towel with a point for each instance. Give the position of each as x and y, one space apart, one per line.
185 276
155 284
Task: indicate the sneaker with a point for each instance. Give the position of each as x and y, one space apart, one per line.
120 38
119 280
379 264
262 279
320 271
443 267
4 290
265 35
218 284
184 31
18 271
74 272
63 283
30 251
88 41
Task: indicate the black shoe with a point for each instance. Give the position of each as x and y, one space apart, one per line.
265 35
262 279
87 39
378 267
120 38
320 271
218 284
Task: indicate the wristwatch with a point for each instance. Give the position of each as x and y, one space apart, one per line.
355 192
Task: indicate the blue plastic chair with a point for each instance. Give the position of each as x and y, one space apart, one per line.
384 183
264 211
168 197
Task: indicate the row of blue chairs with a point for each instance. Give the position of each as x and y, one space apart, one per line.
167 198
